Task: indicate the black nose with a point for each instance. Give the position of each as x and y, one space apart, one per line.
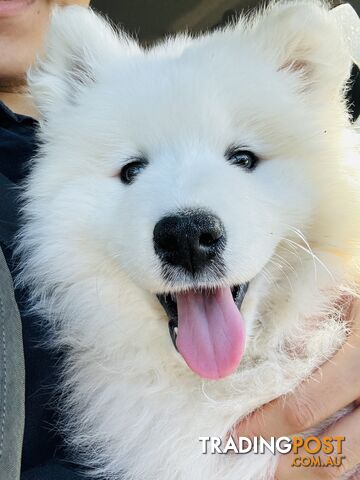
191 239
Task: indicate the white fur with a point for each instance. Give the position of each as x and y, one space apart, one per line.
273 82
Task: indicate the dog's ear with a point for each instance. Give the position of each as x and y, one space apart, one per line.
78 44
304 38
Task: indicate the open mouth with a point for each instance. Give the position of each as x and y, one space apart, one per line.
207 328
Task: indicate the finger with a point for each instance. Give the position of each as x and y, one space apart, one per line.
348 427
333 386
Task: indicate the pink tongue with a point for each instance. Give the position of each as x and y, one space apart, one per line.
211 332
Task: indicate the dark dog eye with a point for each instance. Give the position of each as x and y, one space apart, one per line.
131 170
242 158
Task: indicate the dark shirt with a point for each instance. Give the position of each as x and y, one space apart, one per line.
42 447
353 96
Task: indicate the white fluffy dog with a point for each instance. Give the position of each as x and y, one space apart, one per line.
173 186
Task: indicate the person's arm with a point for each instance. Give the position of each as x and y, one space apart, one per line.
333 386
11 379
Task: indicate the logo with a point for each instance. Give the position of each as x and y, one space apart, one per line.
309 451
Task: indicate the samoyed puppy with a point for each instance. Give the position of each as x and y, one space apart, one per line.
191 230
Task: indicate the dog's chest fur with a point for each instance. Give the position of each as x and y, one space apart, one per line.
153 406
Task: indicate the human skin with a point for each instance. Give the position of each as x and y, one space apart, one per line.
334 385
23 25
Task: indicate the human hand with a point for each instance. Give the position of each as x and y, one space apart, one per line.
333 386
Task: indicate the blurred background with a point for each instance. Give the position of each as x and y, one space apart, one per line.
152 19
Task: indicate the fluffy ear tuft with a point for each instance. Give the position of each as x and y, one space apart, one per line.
78 43
304 37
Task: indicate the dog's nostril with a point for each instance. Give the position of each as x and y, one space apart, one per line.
191 239
209 239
